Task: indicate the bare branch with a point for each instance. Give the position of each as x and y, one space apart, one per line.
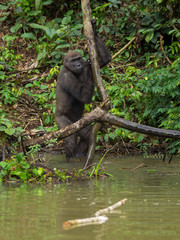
100 115
122 49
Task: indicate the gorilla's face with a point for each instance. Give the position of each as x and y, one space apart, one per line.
74 62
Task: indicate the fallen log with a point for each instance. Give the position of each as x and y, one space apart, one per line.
140 128
67 131
100 115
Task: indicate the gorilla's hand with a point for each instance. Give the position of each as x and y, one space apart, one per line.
93 22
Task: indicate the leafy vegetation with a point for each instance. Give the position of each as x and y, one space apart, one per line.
17 168
143 81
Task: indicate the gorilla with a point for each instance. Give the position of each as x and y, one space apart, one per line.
74 89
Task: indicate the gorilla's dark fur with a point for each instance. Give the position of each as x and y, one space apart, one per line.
75 88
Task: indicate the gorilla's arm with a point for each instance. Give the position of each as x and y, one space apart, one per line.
80 88
104 56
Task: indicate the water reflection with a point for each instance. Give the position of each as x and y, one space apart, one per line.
151 212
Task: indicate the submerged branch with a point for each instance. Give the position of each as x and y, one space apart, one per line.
110 208
84 222
93 220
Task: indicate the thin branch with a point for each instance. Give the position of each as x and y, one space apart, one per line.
141 165
122 49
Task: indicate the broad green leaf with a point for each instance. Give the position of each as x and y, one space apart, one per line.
3 164
19 156
2 128
66 20
9 38
140 138
10 131
37 26
47 2
146 20
34 13
3 19
23 176
40 171
70 12
63 46
77 26
16 27
51 32
43 87
149 36
28 36
28 85
41 55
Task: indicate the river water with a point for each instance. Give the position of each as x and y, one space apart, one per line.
152 210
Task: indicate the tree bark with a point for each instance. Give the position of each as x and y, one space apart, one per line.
89 35
67 131
140 128
88 32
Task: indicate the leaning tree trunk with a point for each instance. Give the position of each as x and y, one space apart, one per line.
88 32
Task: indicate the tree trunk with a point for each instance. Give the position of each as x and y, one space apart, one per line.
88 32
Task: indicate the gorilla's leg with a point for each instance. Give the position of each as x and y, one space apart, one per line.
70 142
82 147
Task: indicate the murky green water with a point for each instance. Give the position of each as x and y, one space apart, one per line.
151 212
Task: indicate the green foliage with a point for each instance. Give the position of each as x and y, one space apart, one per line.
162 97
61 175
54 40
146 19
7 127
150 97
44 94
15 169
49 36
9 94
125 94
18 169
8 61
96 170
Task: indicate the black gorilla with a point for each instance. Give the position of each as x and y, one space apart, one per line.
74 89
